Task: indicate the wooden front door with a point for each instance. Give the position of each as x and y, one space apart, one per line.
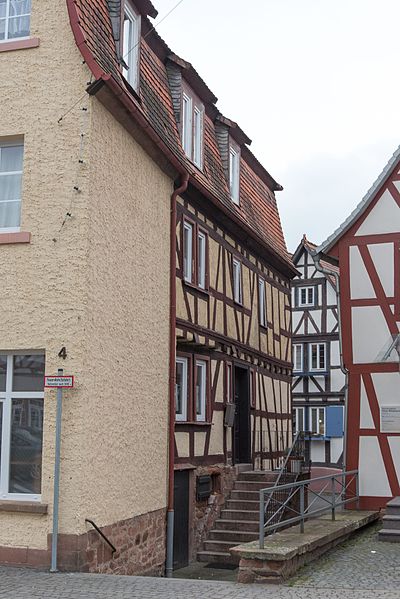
181 519
241 429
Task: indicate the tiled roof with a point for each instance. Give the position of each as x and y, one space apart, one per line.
91 24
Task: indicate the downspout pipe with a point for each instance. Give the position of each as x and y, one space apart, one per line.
332 273
172 376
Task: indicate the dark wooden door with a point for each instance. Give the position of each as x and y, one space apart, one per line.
241 429
181 519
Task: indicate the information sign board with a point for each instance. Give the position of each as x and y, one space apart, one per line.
59 381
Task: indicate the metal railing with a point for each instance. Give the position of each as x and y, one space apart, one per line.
293 498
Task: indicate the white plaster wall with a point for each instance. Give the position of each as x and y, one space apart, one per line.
317 451
373 478
331 296
370 333
336 448
383 218
394 444
387 387
366 420
337 379
331 320
335 353
382 255
360 282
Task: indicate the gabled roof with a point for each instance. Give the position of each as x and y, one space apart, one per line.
257 214
362 206
310 247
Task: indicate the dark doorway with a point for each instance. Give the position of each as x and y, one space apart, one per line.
241 429
181 519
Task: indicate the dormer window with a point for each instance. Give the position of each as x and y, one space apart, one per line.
15 19
234 171
131 45
192 126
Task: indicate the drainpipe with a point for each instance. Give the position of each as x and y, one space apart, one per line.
326 271
172 376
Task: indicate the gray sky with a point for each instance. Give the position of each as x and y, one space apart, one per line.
313 83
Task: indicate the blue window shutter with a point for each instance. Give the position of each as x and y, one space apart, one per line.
334 421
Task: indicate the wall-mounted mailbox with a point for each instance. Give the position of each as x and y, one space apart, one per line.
229 414
203 490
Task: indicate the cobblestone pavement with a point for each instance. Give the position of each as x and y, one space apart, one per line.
351 571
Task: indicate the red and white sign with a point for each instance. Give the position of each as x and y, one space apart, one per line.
59 381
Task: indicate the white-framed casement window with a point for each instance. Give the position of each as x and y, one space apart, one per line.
297 357
11 159
131 45
21 425
317 356
188 252
181 389
306 296
317 421
237 280
192 126
298 420
234 171
201 389
201 259
261 302
15 16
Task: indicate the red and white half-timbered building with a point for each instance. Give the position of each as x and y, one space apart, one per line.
367 248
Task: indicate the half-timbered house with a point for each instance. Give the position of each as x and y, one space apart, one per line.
318 380
367 249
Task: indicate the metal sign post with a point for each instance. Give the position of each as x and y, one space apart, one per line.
57 382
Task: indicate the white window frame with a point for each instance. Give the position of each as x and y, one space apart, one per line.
188 251
262 304
6 398
237 280
7 23
234 173
192 126
308 302
318 367
298 348
197 136
297 411
12 144
131 44
201 416
201 259
187 126
182 416
318 411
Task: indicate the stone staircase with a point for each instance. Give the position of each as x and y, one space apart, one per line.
239 519
391 522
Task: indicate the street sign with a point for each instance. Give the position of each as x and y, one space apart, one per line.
59 381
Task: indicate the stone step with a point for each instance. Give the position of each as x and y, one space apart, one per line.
247 495
391 536
252 485
259 476
241 525
239 515
232 536
391 522
392 510
219 546
242 505
217 557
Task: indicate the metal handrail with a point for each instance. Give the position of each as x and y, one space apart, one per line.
305 512
113 550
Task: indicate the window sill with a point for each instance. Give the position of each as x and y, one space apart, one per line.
205 292
21 237
193 422
19 44
28 507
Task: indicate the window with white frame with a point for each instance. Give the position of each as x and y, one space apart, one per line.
181 389
234 171
297 357
317 421
201 389
192 126
306 296
261 300
237 280
201 259
15 16
21 425
298 420
131 45
317 356
11 157
188 252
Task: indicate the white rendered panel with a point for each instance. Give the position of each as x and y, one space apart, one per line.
316 316
331 296
336 449
331 321
317 451
337 379
360 282
296 316
394 444
316 274
383 256
387 387
182 444
199 443
383 218
335 353
370 333
300 387
373 478
301 260
320 380
366 420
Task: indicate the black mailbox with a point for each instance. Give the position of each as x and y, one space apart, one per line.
203 487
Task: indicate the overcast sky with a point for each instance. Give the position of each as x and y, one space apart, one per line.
313 83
